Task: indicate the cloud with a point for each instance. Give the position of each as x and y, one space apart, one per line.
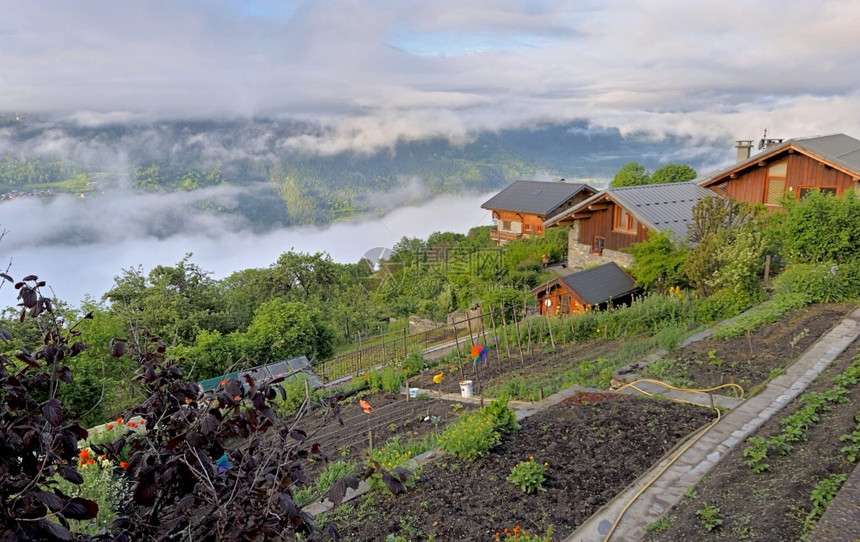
369 74
79 246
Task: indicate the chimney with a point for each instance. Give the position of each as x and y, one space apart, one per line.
744 147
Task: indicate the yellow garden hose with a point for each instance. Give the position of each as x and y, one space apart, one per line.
686 447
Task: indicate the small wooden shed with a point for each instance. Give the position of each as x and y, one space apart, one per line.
598 287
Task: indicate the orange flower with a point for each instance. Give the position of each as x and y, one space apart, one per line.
131 424
187 400
81 463
236 398
90 461
83 454
119 421
123 464
102 456
110 426
223 382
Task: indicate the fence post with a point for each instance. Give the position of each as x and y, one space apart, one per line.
405 346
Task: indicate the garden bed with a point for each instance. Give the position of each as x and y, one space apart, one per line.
391 416
773 504
594 445
752 359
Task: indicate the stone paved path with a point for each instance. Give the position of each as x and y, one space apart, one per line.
664 484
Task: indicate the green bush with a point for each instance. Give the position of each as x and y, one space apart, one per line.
528 476
723 304
388 379
470 437
504 419
821 283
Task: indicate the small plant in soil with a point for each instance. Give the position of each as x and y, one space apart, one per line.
852 448
710 516
657 527
822 496
528 475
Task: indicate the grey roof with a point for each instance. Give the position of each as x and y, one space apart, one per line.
600 284
662 207
838 149
534 197
276 369
665 206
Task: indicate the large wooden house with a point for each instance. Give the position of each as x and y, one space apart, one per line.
828 164
521 209
612 220
593 288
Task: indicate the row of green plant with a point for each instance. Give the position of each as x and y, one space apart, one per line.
476 433
822 496
795 426
777 308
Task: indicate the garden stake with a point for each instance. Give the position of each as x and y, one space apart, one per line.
459 359
519 340
551 340
507 336
469 322
530 338
370 440
382 338
496 338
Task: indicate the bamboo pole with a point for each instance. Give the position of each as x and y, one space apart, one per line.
459 356
519 340
505 325
551 339
496 338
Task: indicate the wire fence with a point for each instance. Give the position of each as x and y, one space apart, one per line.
465 330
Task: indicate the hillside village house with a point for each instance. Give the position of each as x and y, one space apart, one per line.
616 218
829 164
593 288
521 209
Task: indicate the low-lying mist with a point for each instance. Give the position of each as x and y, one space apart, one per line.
79 245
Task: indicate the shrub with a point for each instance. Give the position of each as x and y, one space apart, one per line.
470 437
528 476
659 262
723 304
504 419
821 283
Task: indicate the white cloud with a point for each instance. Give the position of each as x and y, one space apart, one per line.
375 72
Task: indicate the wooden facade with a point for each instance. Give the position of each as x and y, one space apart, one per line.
604 224
790 172
512 225
556 299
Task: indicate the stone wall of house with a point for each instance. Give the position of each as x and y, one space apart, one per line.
579 256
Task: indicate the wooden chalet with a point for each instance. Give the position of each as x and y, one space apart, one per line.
521 209
593 288
828 164
612 220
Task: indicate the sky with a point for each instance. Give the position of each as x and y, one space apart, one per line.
367 74
371 72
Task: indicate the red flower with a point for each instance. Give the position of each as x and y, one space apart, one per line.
131 424
110 426
83 454
90 461
123 464
119 421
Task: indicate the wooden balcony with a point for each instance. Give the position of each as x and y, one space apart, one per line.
502 237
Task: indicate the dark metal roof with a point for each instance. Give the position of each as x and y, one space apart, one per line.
662 207
601 284
665 206
276 369
534 197
837 149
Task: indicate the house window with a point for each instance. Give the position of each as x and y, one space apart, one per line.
775 185
624 221
506 225
597 246
804 191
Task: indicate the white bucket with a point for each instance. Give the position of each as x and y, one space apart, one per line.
413 392
466 388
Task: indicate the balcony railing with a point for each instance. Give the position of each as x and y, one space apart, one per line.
504 235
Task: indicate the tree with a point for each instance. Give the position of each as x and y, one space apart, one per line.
673 173
305 275
284 329
631 174
659 261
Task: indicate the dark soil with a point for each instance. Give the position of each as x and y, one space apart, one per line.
594 444
391 415
753 359
772 505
